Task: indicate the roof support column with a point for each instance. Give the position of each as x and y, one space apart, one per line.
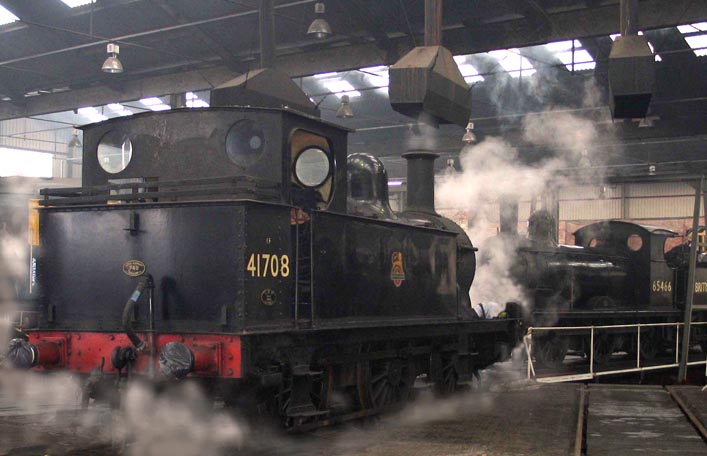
266 20
433 22
629 17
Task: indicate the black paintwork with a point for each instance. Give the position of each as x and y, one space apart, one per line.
195 218
603 278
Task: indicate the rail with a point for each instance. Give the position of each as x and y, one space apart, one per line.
592 330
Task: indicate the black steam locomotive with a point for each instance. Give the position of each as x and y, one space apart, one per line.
617 274
239 246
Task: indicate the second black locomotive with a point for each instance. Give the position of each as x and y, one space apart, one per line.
617 274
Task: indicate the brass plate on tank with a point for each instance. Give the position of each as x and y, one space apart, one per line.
134 268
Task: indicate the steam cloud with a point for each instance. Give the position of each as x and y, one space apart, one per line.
179 422
494 169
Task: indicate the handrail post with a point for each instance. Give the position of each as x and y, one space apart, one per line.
591 352
677 342
638 348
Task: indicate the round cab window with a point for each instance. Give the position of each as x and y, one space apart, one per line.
312 167
115 150
245 142
634 242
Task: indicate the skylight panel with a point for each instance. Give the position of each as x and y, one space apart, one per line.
119 110
193 101
514 63
6 16
340 87
469 72
151 101
695 38
572 55
76 3
560 46
160 107
92 114
326 75
580 60
155 104
698 43
378 76
693 28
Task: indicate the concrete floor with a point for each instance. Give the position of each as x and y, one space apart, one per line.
506 415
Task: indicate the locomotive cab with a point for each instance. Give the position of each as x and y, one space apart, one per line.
652 278
236 150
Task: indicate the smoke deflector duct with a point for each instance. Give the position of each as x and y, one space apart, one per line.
426 84
266 87
631 68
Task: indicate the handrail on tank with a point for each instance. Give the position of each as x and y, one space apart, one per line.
592 374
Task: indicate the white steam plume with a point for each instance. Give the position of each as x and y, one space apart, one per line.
181 422
493 170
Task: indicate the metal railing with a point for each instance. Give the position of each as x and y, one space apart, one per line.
593 373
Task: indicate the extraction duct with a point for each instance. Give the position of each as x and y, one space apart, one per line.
631 68
265 87
426 84
421 181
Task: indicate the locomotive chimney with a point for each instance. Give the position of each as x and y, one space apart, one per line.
421 181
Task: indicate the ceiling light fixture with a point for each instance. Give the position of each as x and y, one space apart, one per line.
469 137
319 27
75 141
344 111
112 63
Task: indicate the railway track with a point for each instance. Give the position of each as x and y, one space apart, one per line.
627 419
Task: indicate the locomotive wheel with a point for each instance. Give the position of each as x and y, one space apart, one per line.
603 348
448 378
550 351
386 383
